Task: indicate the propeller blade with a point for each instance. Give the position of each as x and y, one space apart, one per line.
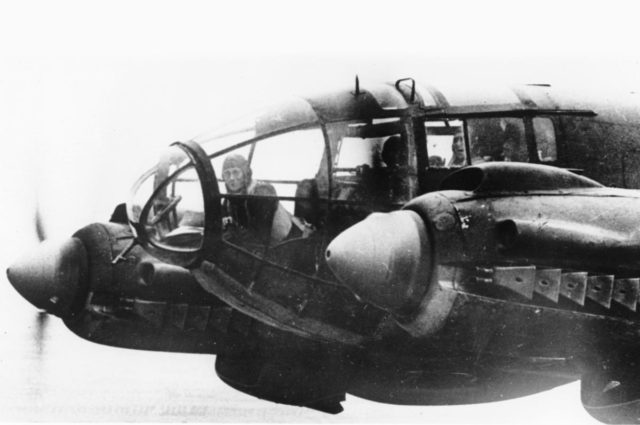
39 334
39 224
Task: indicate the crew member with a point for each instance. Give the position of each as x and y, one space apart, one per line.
265 217
513 146
459 158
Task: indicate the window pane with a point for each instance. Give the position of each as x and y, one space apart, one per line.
370 161
445 144
176 215
290 156
291 113
354 152
257 176
287 159
545 139
497 139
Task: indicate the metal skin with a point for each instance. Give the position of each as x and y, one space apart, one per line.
507 295
513 279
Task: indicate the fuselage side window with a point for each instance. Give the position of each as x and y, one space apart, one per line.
371 170
497 139
370 162
446 147
545 139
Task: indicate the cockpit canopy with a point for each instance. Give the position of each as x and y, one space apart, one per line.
167 203
307 166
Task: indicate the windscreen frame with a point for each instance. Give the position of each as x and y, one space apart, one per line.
211 208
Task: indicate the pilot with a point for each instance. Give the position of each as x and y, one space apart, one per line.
265 218
459 158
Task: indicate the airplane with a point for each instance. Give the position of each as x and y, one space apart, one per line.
404 243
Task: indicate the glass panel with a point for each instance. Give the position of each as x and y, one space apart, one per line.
292 113
545 139
369 162
175 219
287 159
255 177
141 192
497 139
445 144
357 152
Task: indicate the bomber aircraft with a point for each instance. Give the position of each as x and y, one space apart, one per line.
404 243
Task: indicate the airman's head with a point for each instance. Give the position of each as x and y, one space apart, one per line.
236 173
457 147
393 152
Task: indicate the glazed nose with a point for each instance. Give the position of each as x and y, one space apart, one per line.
384 259
52 276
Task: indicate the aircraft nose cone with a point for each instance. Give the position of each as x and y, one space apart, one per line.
385 260
51 276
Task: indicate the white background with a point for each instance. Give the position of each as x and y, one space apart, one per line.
89 91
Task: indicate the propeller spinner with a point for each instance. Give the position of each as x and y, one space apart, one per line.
52 275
